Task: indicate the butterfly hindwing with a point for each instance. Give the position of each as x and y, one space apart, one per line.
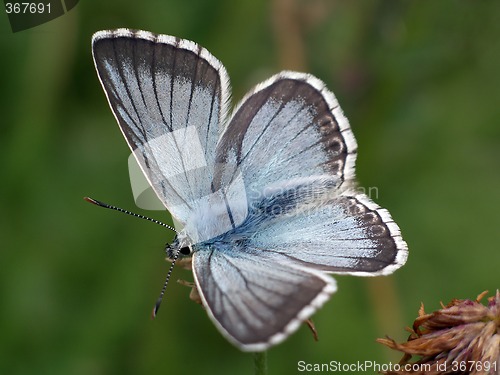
345 234
256 298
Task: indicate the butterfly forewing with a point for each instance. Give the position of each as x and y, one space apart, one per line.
290 127
169 97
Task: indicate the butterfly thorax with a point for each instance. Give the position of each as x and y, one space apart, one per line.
183 246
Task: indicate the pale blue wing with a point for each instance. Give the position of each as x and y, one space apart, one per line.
289 129
169 97
347 233
256 298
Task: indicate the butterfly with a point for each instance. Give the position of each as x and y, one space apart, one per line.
265 197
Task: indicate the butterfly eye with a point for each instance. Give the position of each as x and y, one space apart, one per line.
185 250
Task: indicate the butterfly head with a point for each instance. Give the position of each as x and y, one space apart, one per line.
180 247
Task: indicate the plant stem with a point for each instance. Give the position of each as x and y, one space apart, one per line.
260 361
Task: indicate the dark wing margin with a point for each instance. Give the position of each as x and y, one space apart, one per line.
170 99
257 299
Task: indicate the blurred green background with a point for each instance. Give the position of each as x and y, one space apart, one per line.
420 83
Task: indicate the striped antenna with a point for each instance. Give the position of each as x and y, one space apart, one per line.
105 205
111 207
160 298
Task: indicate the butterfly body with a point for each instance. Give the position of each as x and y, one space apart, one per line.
265 198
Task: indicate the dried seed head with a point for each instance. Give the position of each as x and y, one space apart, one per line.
461 338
